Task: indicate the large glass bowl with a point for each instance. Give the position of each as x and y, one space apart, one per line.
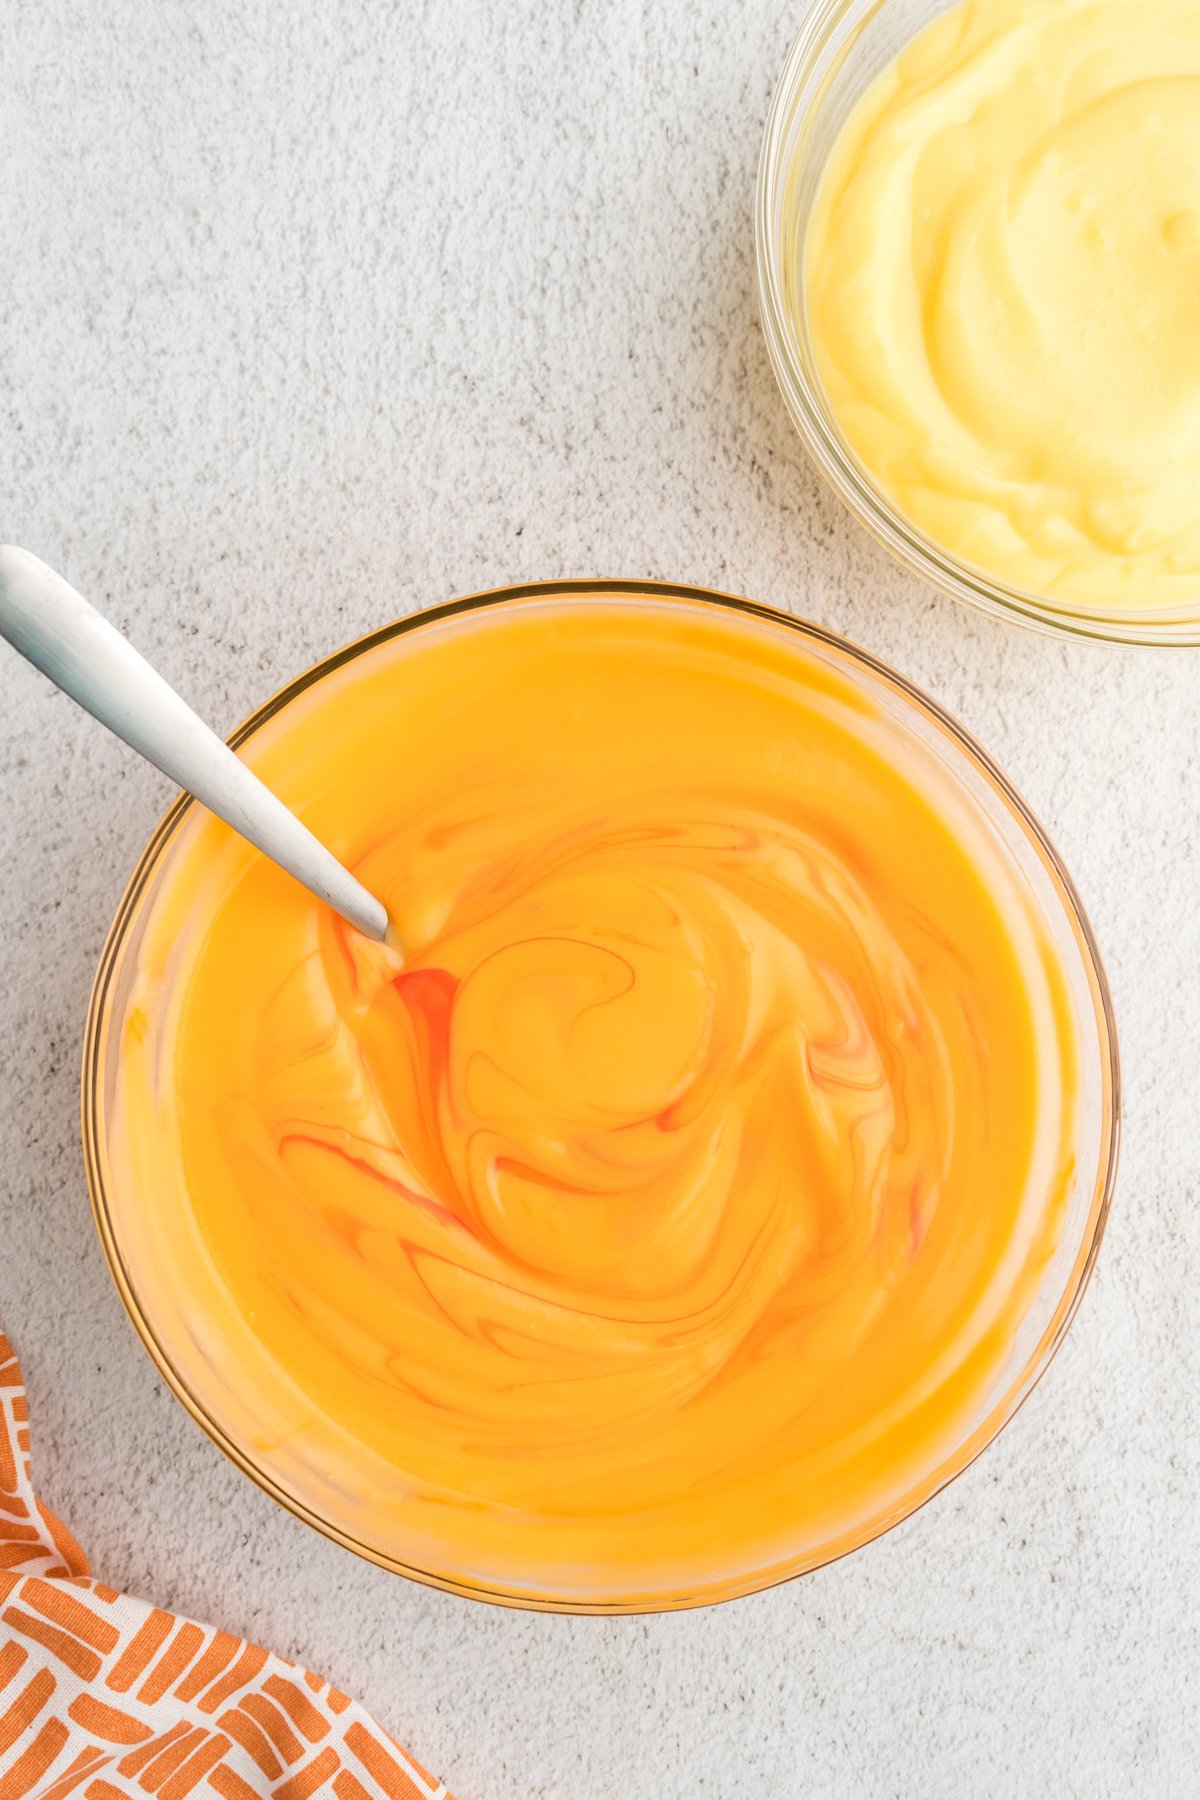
1017 837
841 47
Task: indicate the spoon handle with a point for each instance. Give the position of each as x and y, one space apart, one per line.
51 625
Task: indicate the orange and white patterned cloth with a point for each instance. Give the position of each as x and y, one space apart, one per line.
106 1697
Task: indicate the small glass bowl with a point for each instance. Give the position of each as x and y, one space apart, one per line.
164 1330
841 47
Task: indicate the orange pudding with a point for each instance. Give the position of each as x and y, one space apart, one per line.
660 1212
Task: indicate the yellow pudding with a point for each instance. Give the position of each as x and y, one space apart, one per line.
660 1211
1002 290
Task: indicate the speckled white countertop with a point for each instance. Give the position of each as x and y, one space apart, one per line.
311 316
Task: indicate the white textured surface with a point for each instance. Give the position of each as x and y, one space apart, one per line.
311 315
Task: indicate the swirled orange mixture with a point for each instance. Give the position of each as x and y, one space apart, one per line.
666 1205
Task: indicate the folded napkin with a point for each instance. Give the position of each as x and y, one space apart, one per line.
105 1697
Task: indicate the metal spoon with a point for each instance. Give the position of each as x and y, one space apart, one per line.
43 617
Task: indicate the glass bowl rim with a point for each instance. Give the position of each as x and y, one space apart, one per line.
813 422
1001 1411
